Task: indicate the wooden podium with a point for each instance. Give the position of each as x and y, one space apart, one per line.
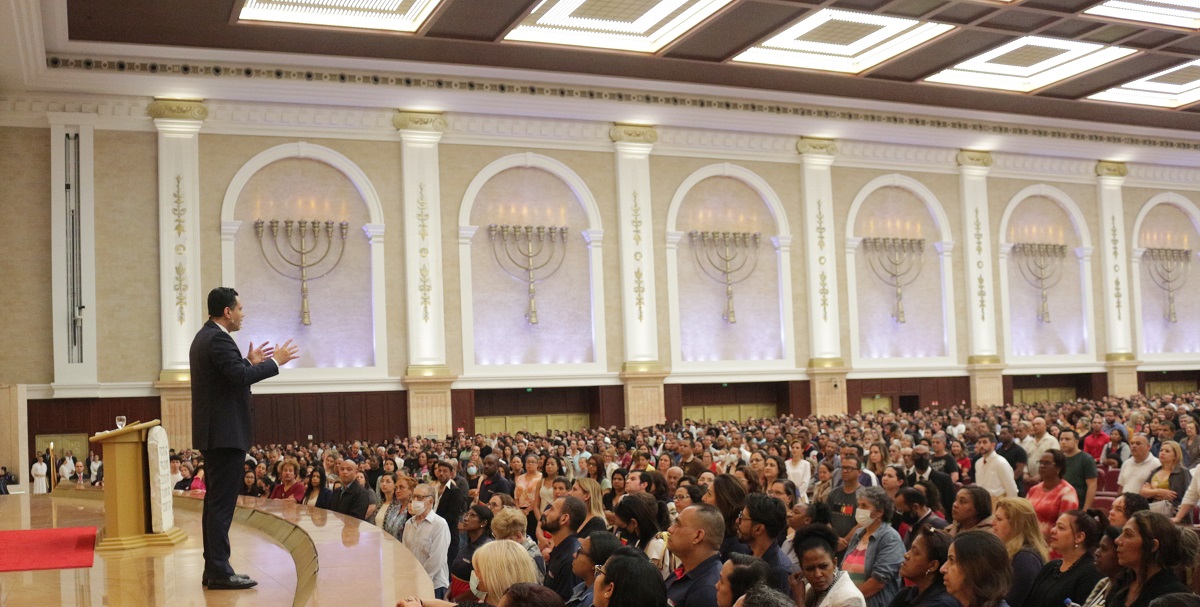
127 492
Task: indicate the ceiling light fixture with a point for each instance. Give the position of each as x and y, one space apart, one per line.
1175 13
1176 87
643 26
842 41
391 15
1030 63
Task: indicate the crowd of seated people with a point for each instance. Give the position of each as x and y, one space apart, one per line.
1086 503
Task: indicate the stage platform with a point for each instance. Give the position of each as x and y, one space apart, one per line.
299 555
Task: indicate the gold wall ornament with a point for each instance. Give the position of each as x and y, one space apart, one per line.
897 262
723 257
1105 168
1169 270
178 109
419 121
297 238
974 158
1041 266
526 256
633 133
808 145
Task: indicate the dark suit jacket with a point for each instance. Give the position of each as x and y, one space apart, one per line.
351 501
221 380
945 486
453 502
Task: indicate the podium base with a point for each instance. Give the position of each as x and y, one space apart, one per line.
112 545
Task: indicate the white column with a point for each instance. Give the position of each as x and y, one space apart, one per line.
824 325
75 370
1118 328
181 292
419 137
973 170
640 322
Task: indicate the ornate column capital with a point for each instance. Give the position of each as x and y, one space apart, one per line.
419 121
633 133
973 158
808 145
1105 168
178 109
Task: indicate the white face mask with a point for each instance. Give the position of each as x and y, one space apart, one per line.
862 517
417 507
479 594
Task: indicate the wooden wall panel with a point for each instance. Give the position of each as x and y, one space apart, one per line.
1165 376
610 407
86 415
345 416
546 401
946 391
1087 385
462 410
799 399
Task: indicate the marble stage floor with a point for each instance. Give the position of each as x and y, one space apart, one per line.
357 564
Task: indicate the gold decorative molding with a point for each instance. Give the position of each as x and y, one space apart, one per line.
824 295
1118 357
807 145
986 359
820 228
179 210
1105 168
428 371
419 121
178 109
174 376
826 363
633 133
643 368
974 158
426 286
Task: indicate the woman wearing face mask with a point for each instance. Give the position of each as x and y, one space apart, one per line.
819 580
875 551
496 566
477 524
922 569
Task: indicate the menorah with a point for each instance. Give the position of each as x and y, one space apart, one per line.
297 236
1169 270
897 262
723 256
528 258
1041 265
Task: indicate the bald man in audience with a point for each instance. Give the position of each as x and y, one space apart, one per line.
695 539
351 499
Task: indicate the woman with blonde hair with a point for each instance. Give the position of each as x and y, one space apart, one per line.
498 566
509 524
1167 484
590 493
1016 524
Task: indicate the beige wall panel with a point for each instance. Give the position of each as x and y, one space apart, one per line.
847 182
1001 192
129 345
666 175
459 165
28 355
222 155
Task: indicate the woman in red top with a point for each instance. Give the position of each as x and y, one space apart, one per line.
1054 495
289 486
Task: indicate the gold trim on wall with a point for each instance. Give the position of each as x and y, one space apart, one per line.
178 109
419 121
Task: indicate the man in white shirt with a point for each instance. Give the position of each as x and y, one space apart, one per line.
1190 498
427 536
993 472
1137 469
1040 442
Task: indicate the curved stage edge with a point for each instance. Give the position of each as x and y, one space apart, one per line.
300 555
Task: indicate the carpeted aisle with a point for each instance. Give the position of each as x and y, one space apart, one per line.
29 550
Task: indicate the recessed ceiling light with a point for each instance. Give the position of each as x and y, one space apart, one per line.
643 26
842 41
1176 13
1030 63
392 15
1176 87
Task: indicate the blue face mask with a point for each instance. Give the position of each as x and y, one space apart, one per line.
472 470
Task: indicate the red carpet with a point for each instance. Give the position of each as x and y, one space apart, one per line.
69 548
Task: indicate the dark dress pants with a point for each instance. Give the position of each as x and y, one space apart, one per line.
223 469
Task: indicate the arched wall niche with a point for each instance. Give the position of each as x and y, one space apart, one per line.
896 206
726 197
1167 230
347 337
498 338
1043 214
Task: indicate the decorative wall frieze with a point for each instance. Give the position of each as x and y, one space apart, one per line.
1163 176
177 109
808 145
974 158
419 121
633 133
1111 169
870 154
1026 166
705 143
480 129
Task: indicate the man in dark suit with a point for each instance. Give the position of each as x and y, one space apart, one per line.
451 496
221 422
941 480
352 499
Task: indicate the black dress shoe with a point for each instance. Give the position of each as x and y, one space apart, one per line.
233 582
204 578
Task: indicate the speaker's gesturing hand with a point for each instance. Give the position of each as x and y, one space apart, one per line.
286 352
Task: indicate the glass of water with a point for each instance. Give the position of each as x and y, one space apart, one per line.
120 422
